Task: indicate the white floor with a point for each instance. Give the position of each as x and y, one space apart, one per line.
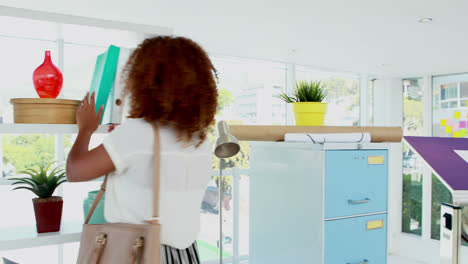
402 260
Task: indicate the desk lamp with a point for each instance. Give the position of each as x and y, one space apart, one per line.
226 146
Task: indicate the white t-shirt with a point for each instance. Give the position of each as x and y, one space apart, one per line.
185 172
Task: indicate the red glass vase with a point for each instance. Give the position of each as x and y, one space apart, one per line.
47 79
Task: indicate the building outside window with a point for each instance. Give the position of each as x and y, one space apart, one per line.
249 90
343 95
248 94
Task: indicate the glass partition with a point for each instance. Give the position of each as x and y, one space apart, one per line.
450 119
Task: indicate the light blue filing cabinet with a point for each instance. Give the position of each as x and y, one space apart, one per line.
318 203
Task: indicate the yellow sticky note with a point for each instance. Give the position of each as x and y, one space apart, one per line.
375 224
443 122
457 115
448 129
375 160
456 134
463 132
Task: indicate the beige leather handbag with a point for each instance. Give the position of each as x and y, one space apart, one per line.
120 243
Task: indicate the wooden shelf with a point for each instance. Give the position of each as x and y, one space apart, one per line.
44 129
27 236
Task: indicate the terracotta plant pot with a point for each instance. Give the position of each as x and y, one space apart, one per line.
48 214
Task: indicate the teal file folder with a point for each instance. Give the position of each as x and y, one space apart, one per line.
104 76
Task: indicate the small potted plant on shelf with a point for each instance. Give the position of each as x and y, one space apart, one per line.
308 106
43 182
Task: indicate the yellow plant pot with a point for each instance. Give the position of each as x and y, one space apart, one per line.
309 113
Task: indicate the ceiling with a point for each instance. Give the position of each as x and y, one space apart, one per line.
375 37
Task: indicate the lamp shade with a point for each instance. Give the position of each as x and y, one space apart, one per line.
226 145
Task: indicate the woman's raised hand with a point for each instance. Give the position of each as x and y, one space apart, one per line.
86 117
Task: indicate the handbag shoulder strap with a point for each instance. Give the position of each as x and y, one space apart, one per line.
156 180
96 201
157 170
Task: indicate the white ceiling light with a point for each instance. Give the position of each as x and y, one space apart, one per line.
425 20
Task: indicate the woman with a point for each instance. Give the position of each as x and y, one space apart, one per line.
171 82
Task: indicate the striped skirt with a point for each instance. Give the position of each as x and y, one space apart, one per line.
170 255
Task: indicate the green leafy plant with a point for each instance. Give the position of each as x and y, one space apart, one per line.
41 182
306 92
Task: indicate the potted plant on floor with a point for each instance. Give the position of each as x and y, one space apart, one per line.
308 106
43 182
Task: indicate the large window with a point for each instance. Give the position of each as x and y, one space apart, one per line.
22 46
449 110
82 46
440 194
20 152
249 90
19 59
248 94
23 43
78 69
450 94
412 164
449 113
343 95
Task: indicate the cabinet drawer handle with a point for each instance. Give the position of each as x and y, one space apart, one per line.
365 261
359 201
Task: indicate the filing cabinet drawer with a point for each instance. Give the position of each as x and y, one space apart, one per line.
355 182
356 240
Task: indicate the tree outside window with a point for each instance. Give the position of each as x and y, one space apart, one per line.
412 164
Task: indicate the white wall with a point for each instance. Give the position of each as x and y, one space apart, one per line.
365 37
389 112
136 11
224 28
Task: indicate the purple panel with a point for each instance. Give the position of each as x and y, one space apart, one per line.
440 155
462 124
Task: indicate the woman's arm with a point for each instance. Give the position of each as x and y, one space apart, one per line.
84 164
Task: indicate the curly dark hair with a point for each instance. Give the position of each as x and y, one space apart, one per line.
171 81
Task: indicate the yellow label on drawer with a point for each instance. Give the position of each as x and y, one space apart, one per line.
374 224
375 160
